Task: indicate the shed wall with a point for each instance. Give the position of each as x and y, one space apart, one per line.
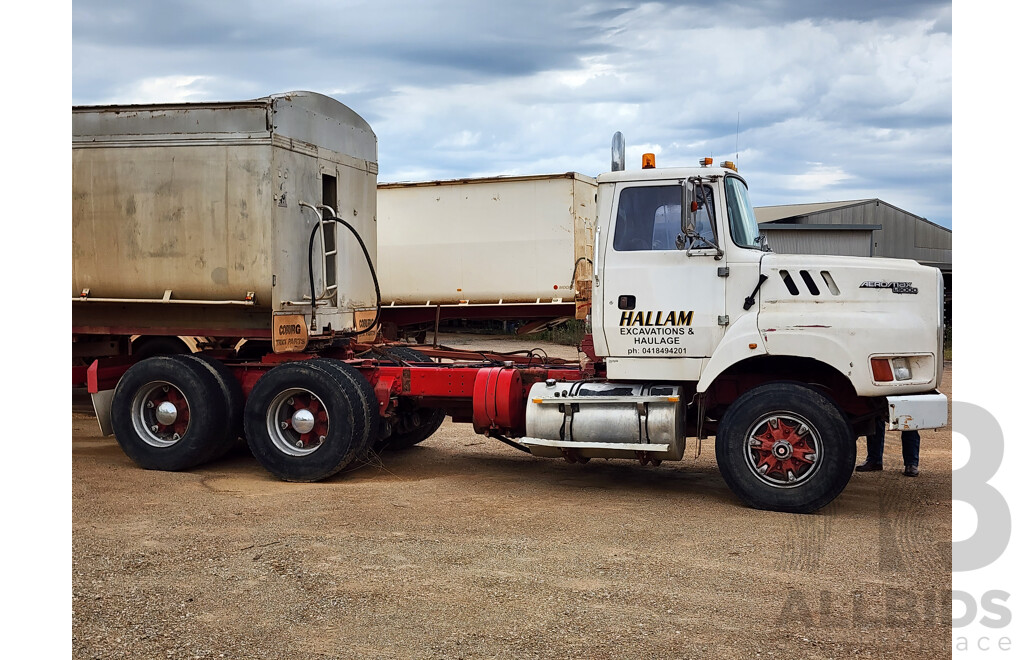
902 235
848 243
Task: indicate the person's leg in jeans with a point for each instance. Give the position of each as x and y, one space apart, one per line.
911 452
876 446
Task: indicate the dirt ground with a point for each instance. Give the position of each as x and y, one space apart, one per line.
463 547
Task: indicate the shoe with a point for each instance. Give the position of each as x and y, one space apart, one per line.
910 471
869 466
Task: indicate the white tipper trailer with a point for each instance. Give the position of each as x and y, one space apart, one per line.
437 241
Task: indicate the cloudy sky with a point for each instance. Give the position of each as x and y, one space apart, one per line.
820 101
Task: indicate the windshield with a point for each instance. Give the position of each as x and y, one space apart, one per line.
742 223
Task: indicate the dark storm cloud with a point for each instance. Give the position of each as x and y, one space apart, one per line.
832 97
454 42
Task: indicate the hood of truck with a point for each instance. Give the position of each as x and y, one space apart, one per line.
846 310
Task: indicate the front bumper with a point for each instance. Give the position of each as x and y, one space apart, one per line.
917 411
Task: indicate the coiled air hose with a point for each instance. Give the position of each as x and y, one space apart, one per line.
369 263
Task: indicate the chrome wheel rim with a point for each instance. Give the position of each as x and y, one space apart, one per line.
160 414
297 422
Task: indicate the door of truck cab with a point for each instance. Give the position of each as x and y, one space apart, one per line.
661 292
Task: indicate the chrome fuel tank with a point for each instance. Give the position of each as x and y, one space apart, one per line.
606 420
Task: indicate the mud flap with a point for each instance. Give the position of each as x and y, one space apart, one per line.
101 406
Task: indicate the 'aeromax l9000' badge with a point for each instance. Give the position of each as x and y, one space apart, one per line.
896 287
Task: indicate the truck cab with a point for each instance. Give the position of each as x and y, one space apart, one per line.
700 330
686 290
664 276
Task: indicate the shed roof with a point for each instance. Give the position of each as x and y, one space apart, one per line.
773 213
797 226
766 214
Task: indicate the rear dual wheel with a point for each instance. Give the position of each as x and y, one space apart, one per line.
173 412
365 413
305 421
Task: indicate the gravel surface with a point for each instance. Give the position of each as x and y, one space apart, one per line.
463 547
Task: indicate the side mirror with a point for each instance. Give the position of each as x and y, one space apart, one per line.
687 209
689 238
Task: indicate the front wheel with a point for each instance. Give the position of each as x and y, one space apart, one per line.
785 447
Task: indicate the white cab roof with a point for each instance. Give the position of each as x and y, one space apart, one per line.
660 174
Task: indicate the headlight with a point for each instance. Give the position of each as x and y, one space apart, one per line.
901 369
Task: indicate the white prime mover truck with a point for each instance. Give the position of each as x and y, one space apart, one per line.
256 220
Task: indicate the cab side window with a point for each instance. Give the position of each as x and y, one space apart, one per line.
647 218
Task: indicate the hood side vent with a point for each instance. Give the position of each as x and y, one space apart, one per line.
830 283
810 282
788 281
811 286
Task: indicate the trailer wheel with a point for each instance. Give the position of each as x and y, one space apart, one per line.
299 422
423 421
365 410
233 401
167 413
785 447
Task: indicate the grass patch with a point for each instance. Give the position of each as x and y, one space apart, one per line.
570 333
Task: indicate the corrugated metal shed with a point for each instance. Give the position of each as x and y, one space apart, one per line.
843 227
794 238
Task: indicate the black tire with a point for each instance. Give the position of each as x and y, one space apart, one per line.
167 413
365 410
805 455
275 423
420 422
432 418
399 354
234 404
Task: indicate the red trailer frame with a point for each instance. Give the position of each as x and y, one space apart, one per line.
487 389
